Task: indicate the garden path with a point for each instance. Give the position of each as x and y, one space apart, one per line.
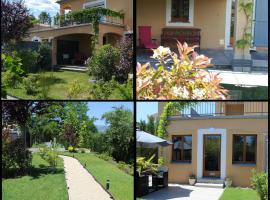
81 184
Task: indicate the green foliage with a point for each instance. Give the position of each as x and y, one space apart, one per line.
72 149
103 90
161 161
15 157
44 85
45 57
259 181
247 8
29 60
49 155
144 165
105 156
3 91
168 110
31 84
103 63
12 71
120 134
125 167
75 88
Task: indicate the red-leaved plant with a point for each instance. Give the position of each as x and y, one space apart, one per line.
186 78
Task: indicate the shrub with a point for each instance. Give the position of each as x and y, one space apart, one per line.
44 85
51 157
103 63
82 150
29 60
260 182
126 59
125 167
74 89
15 157
123 91
185 79
31 84
72 149
105 157
45 57
11 65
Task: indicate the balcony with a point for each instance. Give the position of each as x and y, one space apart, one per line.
224 110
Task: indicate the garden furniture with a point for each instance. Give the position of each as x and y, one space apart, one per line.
145 39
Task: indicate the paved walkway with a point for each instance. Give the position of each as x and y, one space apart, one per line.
81 185
185 192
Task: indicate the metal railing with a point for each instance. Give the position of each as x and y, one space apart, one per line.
223 109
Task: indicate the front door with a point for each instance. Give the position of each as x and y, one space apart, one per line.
211 155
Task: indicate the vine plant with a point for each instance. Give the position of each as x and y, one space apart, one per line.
247 8
168 110
93 15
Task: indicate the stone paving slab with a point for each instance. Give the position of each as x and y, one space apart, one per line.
81 185
185 192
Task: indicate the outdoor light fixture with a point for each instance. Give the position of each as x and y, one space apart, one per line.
108 184
85 165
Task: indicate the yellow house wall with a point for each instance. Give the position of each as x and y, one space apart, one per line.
209 16
240 175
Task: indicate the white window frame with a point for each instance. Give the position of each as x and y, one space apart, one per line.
94 3
169 11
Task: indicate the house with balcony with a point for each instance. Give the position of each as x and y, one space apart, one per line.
217 140
213 25
70 40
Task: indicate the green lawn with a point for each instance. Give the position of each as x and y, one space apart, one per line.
239 194
43 183
121 184
58 86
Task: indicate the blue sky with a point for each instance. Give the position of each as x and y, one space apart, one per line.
144 109
37 6
97 109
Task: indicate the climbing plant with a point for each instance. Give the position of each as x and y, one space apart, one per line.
247 8
93 15
168 110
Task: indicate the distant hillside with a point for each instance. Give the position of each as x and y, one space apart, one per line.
101 128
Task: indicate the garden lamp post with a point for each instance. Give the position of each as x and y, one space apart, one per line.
108 184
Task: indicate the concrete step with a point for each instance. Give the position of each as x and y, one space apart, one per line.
209 185
210 180
72 68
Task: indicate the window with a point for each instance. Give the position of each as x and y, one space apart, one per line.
179 12
182 148
244 148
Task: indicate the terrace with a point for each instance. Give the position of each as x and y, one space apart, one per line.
223 110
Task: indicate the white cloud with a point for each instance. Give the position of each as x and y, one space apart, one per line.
37 6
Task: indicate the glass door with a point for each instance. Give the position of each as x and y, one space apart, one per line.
211 161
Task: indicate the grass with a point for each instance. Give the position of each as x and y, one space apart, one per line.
121 184
42 183
59 85
239 194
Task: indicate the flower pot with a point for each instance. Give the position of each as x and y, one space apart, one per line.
191 181
228 183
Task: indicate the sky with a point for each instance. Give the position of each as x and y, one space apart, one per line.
37 6
97 109
144 109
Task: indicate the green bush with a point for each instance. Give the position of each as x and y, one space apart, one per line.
29 60
105 157
45 57
31 84
44 85
103 63
259 181
74 89
125 167
72 149
12 71
49 155
16 158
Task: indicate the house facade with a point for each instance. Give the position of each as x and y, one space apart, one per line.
70 39
217 140
207 23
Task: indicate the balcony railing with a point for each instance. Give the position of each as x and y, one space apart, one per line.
223 109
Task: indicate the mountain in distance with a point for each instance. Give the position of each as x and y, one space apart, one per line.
101 128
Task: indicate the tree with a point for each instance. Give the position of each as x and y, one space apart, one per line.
120 134
15 21
44 17
142 125
150 126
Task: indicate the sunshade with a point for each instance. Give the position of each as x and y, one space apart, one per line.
147 140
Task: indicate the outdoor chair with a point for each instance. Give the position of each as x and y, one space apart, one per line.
161 179
141 185
145 39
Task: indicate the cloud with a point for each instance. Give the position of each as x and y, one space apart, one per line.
38 6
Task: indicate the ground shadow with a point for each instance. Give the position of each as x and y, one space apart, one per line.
170 192
37 172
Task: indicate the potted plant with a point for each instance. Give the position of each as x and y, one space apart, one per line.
228 182
192 179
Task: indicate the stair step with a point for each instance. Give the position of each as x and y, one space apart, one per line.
209 185
73 69
210 180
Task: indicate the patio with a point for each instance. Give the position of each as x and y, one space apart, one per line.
185 192
221 58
